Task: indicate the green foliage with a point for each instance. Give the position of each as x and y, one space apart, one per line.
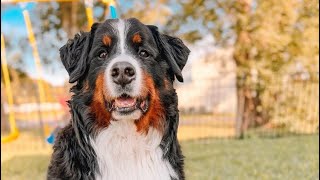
271 39
267 35
293 104
67 16
147 11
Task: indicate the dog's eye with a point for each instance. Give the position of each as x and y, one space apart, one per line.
103 55
143 54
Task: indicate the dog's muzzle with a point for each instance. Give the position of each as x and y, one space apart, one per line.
124 84
123 73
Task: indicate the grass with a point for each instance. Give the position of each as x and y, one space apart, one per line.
293 157
25 167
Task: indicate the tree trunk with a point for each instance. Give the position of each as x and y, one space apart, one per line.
74 9
252 117
69 17
248 115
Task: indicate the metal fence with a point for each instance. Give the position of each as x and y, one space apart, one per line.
290 103
208 109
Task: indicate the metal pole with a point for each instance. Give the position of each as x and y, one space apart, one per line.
89 12
36 57
112 8
13 128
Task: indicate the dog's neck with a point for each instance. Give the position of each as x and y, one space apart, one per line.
123 152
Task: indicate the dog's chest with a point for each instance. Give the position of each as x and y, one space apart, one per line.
123 154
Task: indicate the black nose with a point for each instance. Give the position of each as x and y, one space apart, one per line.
123 73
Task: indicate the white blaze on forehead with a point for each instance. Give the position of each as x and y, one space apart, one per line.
134 88
121 26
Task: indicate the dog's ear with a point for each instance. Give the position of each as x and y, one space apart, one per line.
175 52
74 54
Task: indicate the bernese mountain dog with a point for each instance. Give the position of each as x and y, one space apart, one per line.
124 108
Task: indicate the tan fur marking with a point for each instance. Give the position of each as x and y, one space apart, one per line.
155 115
98 106
136 38
107 40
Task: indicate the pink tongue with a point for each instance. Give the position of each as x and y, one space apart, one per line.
124 102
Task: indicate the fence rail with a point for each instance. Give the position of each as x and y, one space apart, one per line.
210 111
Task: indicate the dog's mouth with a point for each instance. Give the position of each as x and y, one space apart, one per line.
126 104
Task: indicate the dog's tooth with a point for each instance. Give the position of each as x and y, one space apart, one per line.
144 106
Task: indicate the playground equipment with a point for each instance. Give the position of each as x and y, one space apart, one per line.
14 133
32 40
89 6
112 7
35 52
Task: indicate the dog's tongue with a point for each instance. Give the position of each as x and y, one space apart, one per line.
124 102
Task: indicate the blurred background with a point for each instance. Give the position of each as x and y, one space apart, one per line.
249 104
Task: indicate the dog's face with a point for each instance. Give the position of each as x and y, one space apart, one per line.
125 65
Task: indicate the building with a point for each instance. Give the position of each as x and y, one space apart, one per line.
210 82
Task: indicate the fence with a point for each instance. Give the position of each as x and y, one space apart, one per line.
289 103
208 109
292 102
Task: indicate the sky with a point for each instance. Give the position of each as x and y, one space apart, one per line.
12 22
14 27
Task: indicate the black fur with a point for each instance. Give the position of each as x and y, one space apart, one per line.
173 51
73 156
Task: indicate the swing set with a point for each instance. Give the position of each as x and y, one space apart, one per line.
14 132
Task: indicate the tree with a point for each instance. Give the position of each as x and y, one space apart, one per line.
149 12
269 38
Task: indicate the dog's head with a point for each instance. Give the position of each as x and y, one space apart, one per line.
124 65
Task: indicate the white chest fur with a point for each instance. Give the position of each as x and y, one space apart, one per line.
126 154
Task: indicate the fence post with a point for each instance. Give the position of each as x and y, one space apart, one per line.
239 116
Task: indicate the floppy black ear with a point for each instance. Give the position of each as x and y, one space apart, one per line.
175 52
74 54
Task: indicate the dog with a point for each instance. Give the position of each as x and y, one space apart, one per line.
124 108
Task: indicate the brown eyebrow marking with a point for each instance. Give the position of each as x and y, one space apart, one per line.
136 38
106 40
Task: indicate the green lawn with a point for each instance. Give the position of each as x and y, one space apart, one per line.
294 157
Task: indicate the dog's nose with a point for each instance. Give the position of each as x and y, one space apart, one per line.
123 73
